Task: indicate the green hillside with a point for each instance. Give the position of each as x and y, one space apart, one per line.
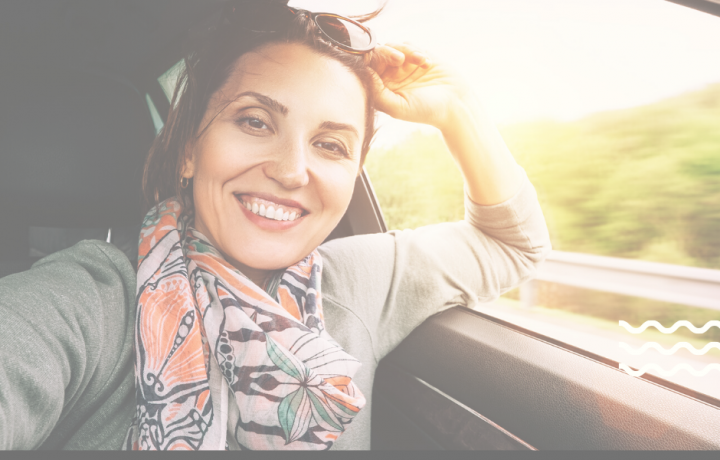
641 183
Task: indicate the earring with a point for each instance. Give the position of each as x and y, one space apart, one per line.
184 182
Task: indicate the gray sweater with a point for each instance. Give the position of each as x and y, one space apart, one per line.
66 333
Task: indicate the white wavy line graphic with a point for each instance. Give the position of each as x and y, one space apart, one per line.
671 372
671 351
669 330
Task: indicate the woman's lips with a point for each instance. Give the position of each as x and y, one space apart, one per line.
270 224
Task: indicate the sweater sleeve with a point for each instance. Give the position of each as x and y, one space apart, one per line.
394 281
65 348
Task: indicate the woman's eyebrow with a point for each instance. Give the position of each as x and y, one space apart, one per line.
268 101
334 126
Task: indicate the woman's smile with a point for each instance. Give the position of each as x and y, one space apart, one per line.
272 214
270 206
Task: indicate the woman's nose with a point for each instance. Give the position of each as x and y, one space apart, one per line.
289 167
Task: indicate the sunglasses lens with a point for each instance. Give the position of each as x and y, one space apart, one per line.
344 32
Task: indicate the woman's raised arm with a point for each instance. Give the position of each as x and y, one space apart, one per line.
393 281
414 88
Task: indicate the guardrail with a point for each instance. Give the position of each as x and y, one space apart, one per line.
697 287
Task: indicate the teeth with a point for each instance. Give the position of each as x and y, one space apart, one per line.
271 213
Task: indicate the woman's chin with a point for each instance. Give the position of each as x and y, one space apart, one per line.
267 256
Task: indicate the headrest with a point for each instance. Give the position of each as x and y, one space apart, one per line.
72 149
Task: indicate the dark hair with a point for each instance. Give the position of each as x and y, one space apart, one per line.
208 64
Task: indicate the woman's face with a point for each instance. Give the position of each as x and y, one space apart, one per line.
287 136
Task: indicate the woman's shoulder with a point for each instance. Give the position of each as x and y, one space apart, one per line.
90 271
92 255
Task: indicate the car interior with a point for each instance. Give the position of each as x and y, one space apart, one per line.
80 105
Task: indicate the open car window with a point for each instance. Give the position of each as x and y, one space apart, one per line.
613 109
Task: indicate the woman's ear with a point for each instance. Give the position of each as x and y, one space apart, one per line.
188 166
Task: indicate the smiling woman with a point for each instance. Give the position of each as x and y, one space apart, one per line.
237 342
288 142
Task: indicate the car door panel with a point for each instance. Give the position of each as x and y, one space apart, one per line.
442 421
548 395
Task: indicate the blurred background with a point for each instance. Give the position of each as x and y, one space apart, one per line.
613 109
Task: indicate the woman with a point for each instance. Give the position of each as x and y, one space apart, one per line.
237 343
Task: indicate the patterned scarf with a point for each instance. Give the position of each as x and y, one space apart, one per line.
220 364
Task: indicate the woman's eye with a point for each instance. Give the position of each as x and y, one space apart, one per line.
332 147
253 122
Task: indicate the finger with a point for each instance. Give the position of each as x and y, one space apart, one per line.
406 73
383 57
413 54
392 55
386 100
398 78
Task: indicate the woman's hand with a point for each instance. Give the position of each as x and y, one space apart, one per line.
410 86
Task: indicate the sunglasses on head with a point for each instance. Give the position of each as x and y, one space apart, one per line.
270 16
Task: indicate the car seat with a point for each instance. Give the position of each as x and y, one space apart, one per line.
72 148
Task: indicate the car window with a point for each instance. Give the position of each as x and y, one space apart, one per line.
613 109
154 114
169 78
